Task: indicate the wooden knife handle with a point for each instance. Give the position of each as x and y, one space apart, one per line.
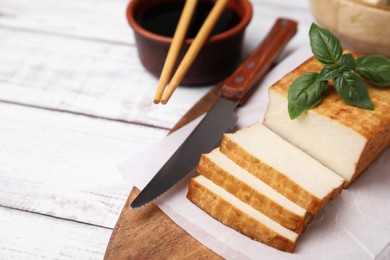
241 84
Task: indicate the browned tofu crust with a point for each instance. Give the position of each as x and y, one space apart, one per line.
231 216
274 178
252 197
373 125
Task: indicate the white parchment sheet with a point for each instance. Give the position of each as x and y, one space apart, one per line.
354 226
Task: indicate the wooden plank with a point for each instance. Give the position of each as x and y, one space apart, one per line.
107 25
31 236
132 233
158 238
93 78
99 78
105 19
65 56
129 229
65 165
101 20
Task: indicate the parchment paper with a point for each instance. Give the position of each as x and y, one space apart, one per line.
354 226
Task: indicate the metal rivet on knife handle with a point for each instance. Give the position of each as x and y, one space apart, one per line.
239 79
251 65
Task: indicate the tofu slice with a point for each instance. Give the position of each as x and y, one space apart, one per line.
282 166
344 138
216 167
234 213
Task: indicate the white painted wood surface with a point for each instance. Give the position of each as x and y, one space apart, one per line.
84 76
32 236
52 161
74 102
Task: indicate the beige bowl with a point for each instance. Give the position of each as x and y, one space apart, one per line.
360 26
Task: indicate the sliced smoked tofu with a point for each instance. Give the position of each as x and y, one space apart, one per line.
236 214
344 138
216 167
285 168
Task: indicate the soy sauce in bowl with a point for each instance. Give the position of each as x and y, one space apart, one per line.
154 23
164 18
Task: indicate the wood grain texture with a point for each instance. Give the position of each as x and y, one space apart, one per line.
25 235
243 82
88 19
91 78
105 20
131 236
65 165
123 234
132 239
78 66
78 56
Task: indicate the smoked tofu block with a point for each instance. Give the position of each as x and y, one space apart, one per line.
234 213
344 138
216 167
282 166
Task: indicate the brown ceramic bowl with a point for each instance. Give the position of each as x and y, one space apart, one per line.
216 60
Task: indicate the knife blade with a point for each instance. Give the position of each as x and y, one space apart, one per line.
221 117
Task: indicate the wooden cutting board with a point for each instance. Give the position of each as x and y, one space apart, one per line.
150 234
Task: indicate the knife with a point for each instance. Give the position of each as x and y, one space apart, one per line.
221 117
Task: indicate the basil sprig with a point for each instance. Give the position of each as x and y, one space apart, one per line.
306 91
374 68
353 90
324 45
331 71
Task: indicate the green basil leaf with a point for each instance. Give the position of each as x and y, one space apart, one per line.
349 62
324 45
331 71
304 94
374 68
353 90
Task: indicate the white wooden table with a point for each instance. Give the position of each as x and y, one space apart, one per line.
74 102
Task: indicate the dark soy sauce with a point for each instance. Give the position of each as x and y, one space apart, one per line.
163 19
